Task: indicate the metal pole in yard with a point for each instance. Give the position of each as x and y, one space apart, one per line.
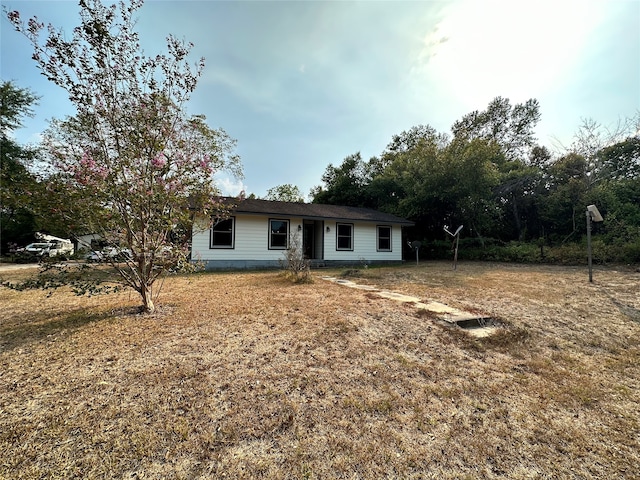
455 254
593 215
416 244
589 245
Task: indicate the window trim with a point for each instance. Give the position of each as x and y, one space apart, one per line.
233 235
351 237
269 234
378 249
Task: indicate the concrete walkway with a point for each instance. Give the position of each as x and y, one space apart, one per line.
476 324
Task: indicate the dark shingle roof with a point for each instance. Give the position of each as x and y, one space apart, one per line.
316 211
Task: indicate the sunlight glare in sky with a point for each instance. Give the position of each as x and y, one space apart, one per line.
511 49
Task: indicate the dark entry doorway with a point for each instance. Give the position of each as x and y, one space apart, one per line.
312 239
308 240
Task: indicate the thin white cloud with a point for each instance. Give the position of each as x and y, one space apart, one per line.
229 186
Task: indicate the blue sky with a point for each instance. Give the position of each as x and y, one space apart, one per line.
303 84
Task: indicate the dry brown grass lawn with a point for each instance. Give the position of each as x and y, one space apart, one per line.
244 375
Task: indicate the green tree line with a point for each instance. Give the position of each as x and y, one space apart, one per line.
492 176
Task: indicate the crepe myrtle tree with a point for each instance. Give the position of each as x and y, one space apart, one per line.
139 169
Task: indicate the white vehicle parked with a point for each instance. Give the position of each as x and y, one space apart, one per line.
38 249
49 246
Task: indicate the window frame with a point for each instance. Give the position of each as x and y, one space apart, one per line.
270 234
233 235
338 236
390 238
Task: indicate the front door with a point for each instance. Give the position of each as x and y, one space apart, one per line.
308 237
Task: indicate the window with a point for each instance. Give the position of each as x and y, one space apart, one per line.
344 234
222 233
278 234
384 238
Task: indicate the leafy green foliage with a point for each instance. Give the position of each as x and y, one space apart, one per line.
15 104
19 185
285 193
511 127
493 177
344 185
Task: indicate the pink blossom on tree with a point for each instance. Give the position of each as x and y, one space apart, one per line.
159 161
140 168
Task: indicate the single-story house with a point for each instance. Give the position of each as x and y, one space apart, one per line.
258 232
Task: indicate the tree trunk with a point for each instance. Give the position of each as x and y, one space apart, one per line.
147 299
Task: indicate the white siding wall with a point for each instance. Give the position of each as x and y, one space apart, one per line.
252 242
365 243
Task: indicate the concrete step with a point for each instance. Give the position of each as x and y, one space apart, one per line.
466 319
